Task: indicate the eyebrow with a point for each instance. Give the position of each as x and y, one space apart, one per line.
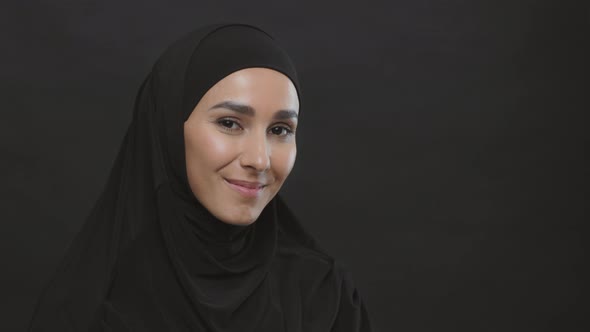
249 110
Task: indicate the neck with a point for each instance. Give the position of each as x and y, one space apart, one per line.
221 239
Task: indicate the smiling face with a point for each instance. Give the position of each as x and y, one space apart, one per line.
243 129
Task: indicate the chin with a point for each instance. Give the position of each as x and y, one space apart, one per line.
244 223
241 220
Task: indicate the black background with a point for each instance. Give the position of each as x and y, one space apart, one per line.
440 148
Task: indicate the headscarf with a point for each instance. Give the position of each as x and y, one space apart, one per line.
151 257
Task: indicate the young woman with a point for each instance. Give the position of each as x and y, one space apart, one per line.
190 233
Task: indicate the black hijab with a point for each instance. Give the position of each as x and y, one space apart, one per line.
151 257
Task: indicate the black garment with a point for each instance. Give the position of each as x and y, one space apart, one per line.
151 257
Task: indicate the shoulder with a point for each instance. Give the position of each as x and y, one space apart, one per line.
300 254
313 267
303 256
329 296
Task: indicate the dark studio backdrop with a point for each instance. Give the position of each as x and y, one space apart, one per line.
440 150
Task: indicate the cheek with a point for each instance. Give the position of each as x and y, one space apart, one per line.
208 150
283 160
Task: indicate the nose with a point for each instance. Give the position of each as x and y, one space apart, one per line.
255 153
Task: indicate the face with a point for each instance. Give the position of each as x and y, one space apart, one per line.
242 130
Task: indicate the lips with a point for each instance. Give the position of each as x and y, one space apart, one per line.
247 189
246 184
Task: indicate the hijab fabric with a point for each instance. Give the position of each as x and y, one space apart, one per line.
151 257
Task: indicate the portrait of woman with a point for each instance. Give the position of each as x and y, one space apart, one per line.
293 166
190 232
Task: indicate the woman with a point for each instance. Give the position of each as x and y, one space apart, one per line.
190 233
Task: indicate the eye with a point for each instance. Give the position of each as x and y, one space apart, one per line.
227 124
278 132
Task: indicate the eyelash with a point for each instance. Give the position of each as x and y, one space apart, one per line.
220 121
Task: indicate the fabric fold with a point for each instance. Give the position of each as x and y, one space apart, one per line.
151 257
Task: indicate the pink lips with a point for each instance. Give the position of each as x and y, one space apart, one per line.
248 189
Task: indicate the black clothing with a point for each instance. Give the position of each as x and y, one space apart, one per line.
151 257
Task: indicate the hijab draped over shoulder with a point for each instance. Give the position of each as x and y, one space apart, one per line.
150 257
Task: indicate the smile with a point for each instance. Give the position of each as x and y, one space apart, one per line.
245 191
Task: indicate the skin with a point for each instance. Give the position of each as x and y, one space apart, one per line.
221 143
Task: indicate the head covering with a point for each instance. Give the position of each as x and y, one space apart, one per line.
151 257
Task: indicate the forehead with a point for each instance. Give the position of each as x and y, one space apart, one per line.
256 86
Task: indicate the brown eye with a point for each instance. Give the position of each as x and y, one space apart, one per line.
278 132
227 124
